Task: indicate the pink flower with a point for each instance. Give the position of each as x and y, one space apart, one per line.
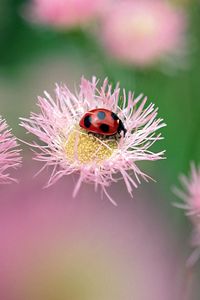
191 205
68 148
83 249
144 32
63 13
9 155
191 195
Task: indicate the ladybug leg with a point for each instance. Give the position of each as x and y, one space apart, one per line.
118 136
99 136
110 137
90 134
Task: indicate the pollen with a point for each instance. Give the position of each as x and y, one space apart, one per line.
87 148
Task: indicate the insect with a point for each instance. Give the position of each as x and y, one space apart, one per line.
102 121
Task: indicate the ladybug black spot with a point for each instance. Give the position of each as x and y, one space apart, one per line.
104 127
87 121
101 115
114 116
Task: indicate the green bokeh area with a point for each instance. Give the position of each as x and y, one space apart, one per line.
177 95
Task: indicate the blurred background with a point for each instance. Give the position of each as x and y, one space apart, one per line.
150 47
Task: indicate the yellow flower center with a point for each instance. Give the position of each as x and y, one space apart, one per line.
88 148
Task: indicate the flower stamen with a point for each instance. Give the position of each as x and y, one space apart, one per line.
87 148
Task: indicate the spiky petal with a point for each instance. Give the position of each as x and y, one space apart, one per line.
191 193
191 204
9 154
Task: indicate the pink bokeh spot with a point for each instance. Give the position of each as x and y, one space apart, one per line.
141 32
63 13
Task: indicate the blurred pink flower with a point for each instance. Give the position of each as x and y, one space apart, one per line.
9 155
191 195
85 249
144 32
69 149
63 13
191 205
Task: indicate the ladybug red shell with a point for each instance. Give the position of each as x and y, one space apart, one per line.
102 121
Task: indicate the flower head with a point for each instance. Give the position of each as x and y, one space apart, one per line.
144 32
191 198
9 155
68 148
191 195
63 13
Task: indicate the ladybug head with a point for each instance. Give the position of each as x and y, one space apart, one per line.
121 128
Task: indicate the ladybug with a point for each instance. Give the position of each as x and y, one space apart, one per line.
102 121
